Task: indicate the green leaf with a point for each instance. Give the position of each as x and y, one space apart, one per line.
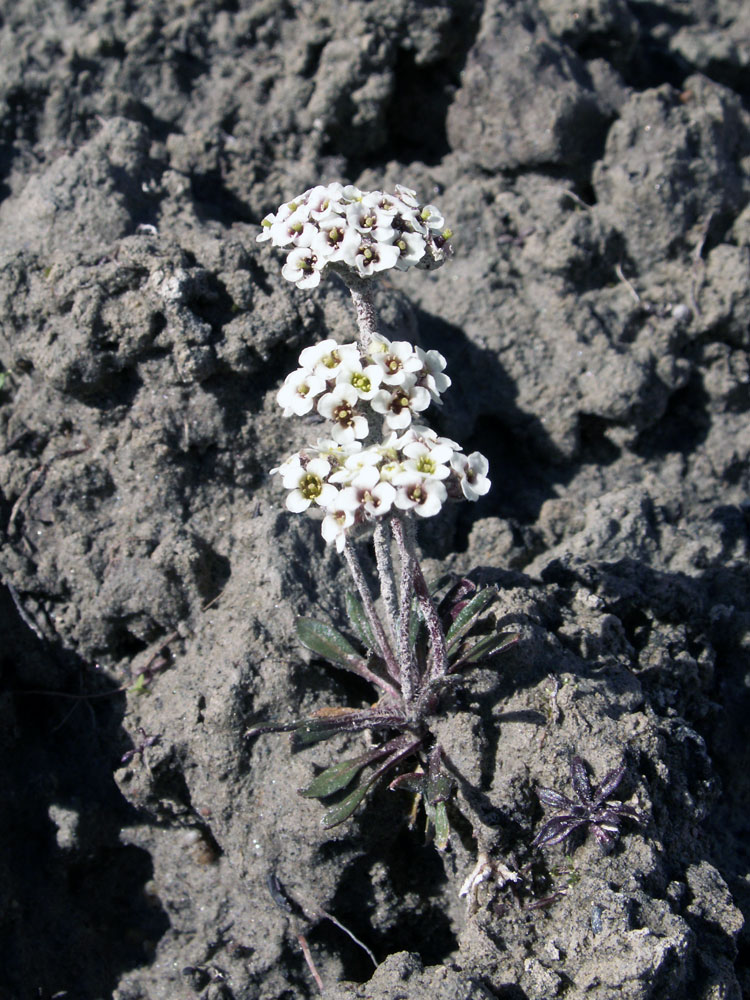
338 776
489 645
438 788
468 615
356 612
442 826
327 642
140 686
343 810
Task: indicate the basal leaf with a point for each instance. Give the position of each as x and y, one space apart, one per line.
327 642
438 788
359 622
343 810
338 776
466 618
442 826
489 645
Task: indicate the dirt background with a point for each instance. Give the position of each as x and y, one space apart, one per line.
593 157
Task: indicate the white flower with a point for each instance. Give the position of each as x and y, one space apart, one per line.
399 404
370 221
368 493
339 407
287 468
425 435
432 217
367 231
297 395
295 229
432 376
397 359
329 238
407 196
472 473
327 358
352 193
335 523
324 200
411 249
303 268
365 381
355 463
268 221
424 496
424 461
308 485
367 255
335 454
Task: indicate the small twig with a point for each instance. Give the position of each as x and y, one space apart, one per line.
25 616
355 939
629 285
574 197
297 910
310 963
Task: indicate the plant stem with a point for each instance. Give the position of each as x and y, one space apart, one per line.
372 616
382 540
438 646
405 535
403 531
367 318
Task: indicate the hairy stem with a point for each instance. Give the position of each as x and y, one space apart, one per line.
405 536
382 540
430 614
367 318
372 616
403 531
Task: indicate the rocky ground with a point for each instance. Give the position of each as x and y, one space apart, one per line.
593 157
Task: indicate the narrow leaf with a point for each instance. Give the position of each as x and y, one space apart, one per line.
328 722
466 618
552 799
449 607
401 747
438 788
327 642
338 776
333 779
580 778
442 826
359 622
343 810
489 645
609 783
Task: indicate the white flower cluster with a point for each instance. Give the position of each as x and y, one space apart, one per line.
364 231
351 479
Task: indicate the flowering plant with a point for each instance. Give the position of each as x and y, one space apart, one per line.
382 467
